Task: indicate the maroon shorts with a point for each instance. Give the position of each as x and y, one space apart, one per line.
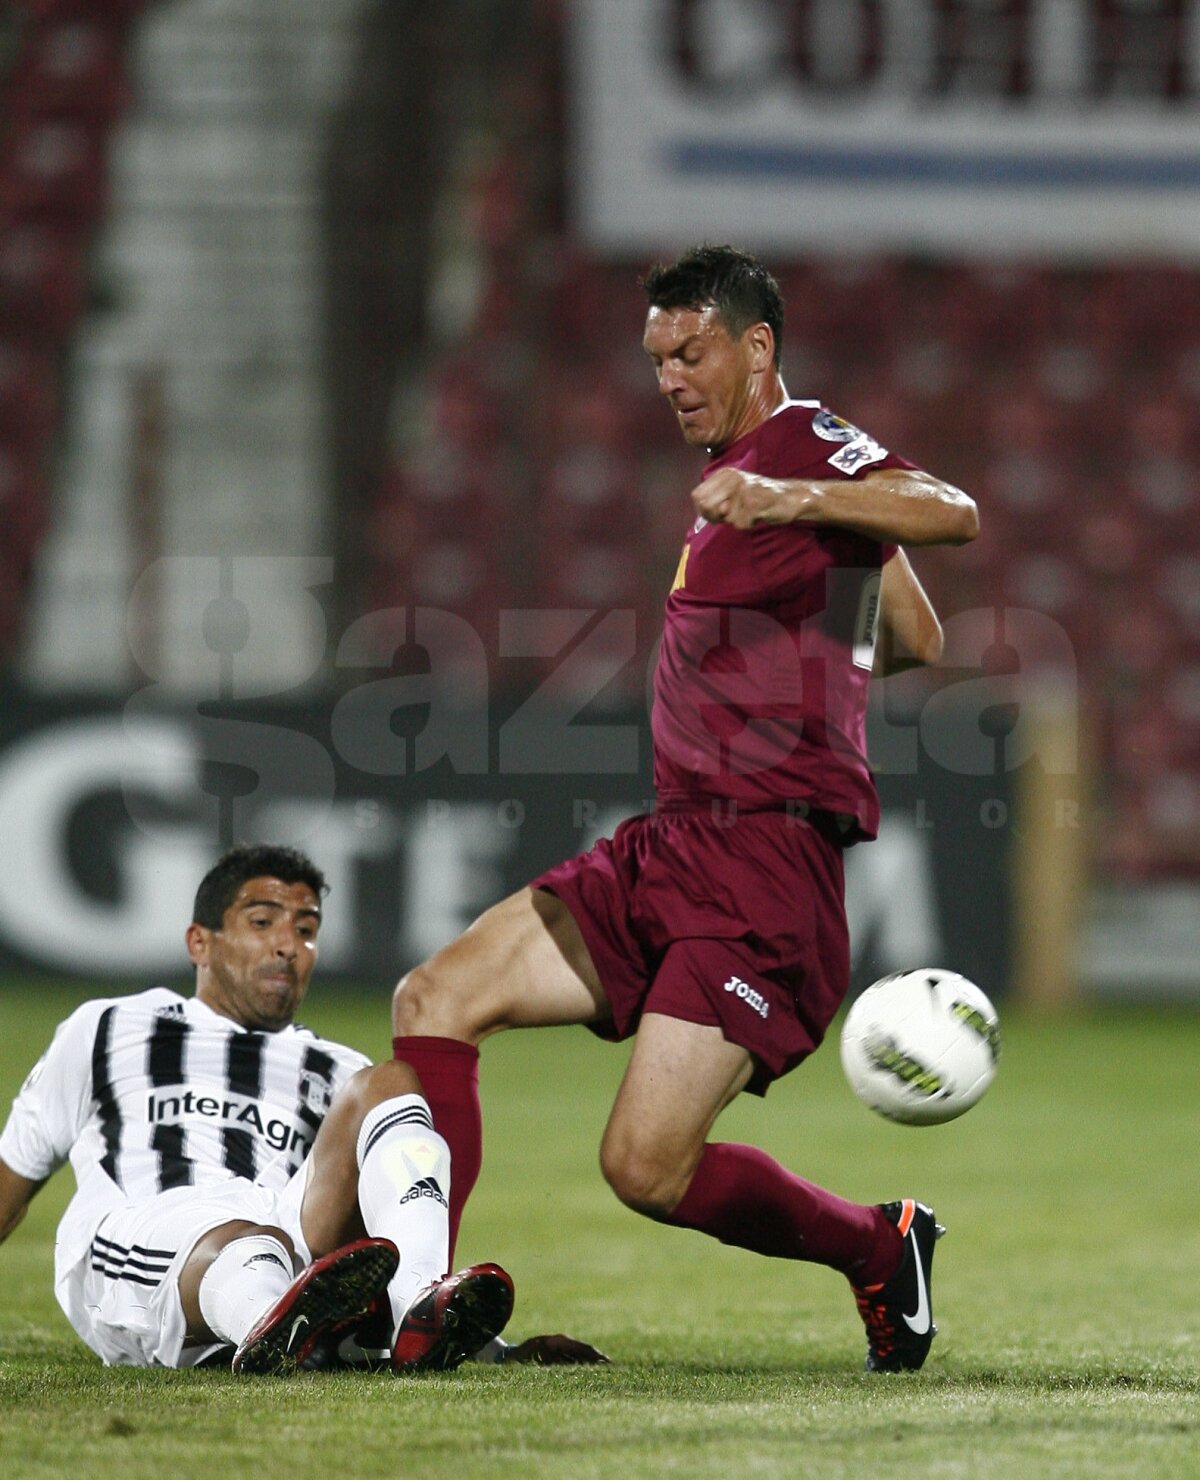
738 923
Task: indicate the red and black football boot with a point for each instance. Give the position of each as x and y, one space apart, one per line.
451 1319
331 1290
898 1313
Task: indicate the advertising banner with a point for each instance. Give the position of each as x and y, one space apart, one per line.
1063 128
111 812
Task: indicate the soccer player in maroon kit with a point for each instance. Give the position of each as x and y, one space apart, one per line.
713 929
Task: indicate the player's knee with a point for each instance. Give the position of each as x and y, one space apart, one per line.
639 1177
209 1245
455 994
376 1083
424 1002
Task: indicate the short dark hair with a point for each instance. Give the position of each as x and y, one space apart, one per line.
219 887
736 284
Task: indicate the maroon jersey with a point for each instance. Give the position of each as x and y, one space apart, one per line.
768 641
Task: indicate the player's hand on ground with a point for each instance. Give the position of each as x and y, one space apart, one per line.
554 1351
731 496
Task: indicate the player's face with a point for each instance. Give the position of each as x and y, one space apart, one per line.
255 969
708 376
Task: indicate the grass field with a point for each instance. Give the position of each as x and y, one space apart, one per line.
1065 1293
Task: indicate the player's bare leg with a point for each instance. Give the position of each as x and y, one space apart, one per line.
658 1159
378 1179
272 1254
330 1214
239 1284
238 1287
680 1077
379 1167
522 964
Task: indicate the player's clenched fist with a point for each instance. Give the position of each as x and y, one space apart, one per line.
731 496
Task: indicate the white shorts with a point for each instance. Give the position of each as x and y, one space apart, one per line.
123 1296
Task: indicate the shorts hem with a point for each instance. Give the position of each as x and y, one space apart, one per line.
616 1029
605 960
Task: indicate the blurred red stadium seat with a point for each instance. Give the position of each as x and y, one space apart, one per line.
78 10
24 505
41 281
69 67
54 170
28 397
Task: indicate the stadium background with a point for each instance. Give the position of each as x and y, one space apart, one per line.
338 504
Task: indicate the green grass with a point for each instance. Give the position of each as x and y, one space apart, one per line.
1065 1293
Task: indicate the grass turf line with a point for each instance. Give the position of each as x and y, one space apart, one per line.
1069 1341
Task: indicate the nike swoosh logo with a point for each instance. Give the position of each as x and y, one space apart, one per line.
301 1322
918 1323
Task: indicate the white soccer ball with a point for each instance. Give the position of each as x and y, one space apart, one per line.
921 1046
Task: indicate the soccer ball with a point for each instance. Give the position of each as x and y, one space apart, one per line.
921 1047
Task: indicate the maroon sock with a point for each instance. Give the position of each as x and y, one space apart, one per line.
449 1073
742 1197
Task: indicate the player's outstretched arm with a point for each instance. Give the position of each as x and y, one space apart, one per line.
901 506
910 634
16 1193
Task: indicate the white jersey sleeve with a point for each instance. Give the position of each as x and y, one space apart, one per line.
54 1104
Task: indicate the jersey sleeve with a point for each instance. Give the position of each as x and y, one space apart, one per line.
888 462
787 555
54 1104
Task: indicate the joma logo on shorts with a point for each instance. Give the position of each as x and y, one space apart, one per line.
749 996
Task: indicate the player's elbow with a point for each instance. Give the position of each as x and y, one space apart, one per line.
932 643
10 1218
964 521
917 641
16 1193
921 647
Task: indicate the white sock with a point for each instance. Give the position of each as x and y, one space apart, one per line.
404 1190
242 1283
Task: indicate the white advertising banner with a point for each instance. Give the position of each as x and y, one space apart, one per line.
1066 128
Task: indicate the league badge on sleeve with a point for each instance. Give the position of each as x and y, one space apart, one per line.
831 428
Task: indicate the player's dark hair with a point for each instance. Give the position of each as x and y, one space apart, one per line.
219 887
737 285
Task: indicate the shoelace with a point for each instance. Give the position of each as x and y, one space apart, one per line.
874 1313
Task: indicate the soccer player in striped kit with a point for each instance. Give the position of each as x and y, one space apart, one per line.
242 1184
713 931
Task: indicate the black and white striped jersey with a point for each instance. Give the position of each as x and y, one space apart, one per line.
159 1091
